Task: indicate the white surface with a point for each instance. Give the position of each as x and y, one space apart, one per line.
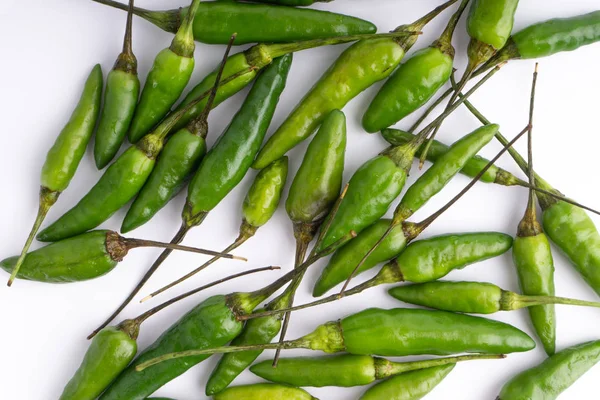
48 49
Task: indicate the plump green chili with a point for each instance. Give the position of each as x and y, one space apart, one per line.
394 332
83 257
412 385
355 70
414 82
346 370
264 194
170 74
122 92
261 391
553 376
64 156
295 3
254 23
474 297
228 161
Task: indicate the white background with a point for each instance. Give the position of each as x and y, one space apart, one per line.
48 48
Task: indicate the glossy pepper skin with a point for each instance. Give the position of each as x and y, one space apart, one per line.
491 21
110 352
413 385
294 3
230 158
117 186
178 160
356 69
318 181
75 259
170 74
553 376
345 259
409 88
262 199
263 391
472 168
256 331
210 323
254 23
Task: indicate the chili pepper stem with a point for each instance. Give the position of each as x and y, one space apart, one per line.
167 20
134 243
445 40
396 368
327 223
242 238
46 201
179 236
512 301
127 42
183 43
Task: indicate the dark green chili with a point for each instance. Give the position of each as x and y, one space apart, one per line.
474 297
64 156
346 370
83 257
122 92
355 70
114 347
228 161
552 377
170 74
254 23
412 385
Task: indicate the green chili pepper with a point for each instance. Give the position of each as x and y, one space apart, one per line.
263 391
170 74
552 377
181 156
355 70
122 92
414 82
494 174
264 194
412 385
550 37
254 23
474 297
83 257
394 332
228 161
294 3
109 353
346 370
64 156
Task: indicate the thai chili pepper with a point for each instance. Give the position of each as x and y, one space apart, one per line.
294 3
64 156
474 297
313 192
394 332
414 82
170 74
532 257
552 377
489 25
565 223
259 206
213 322
117 186
356 69
433 181
228 161
378 182
412 385
255 59
86 256
181 156
346 370
122 92
254 23
262 391
114 347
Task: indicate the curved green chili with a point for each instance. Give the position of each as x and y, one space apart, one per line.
64 156
254 23
262 391
120 100
355 70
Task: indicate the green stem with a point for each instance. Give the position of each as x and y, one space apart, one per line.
134 243
166 20
512 301
127 41
183 43
444 43
46 201
429 110
389 368
407 42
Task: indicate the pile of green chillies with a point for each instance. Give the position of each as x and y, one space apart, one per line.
168 153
